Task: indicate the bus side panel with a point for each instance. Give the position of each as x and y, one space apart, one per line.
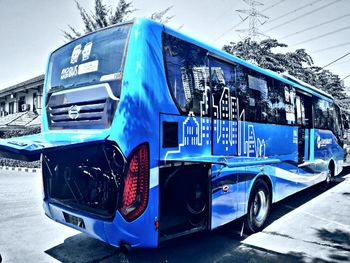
327 149
191 140
268 140
224 195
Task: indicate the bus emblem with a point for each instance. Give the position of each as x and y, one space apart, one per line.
74 112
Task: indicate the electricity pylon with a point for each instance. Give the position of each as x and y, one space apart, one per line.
255 19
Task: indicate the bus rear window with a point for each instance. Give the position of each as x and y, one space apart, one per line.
95 58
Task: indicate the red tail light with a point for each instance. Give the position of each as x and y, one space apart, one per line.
136 184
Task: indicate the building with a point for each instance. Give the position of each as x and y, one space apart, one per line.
20 104
347 91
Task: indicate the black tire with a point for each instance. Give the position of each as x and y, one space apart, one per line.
259 206
330 176
196 204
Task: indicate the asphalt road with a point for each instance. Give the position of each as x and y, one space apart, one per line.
311 226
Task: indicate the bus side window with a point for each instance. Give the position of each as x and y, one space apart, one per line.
337 126
253 95
324 115
223 90
263 99
243 92
282 103
305 111
187 73
258 100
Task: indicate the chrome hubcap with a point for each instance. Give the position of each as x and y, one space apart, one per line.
260 206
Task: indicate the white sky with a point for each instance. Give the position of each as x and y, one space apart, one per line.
31 29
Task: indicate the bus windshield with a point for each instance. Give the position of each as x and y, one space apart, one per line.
94 58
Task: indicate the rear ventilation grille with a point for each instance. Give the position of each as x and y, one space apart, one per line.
83 111
81 108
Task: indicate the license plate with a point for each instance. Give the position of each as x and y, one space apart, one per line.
74 220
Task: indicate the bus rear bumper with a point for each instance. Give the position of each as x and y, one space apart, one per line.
138 233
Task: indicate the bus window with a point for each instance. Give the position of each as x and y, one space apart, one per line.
253 95
258 97
324 114
303 109
337 126
187 73
94 58
223 90
281 103
242 91
265 100
224 107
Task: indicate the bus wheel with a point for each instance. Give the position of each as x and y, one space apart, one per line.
196 205
258 206
330 175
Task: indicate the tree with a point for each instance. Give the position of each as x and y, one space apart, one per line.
104 15
101 17
162 16
298 64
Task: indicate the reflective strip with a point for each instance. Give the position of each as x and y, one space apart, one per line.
154 178
105 85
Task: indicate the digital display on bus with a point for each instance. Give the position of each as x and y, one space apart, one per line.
94 58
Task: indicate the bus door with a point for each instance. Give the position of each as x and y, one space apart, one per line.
224 106
303 104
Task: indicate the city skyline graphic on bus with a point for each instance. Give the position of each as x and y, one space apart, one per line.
196 131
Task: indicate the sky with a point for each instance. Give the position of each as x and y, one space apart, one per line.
31 29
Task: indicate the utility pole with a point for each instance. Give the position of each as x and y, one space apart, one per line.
255 19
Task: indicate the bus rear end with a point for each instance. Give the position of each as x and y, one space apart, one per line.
98 175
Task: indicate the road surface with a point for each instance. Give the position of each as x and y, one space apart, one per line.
311 226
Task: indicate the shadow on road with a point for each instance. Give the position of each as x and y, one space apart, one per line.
294 201
221 245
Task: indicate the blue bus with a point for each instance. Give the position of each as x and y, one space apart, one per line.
148 134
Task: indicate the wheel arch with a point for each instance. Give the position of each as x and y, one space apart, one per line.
265 177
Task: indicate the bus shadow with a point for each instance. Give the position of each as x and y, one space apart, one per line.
296 200
221 245
81 248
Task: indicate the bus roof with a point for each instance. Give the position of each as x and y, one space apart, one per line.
307 85
288 80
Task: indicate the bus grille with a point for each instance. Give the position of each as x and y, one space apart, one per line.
83 109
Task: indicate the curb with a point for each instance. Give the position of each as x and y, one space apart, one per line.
19 169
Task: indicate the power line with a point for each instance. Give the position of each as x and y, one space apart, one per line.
323 35
230 29
331 47
293 11
343 56
273 5
303 15
345 77
268 2
316 26
241 22
340 63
